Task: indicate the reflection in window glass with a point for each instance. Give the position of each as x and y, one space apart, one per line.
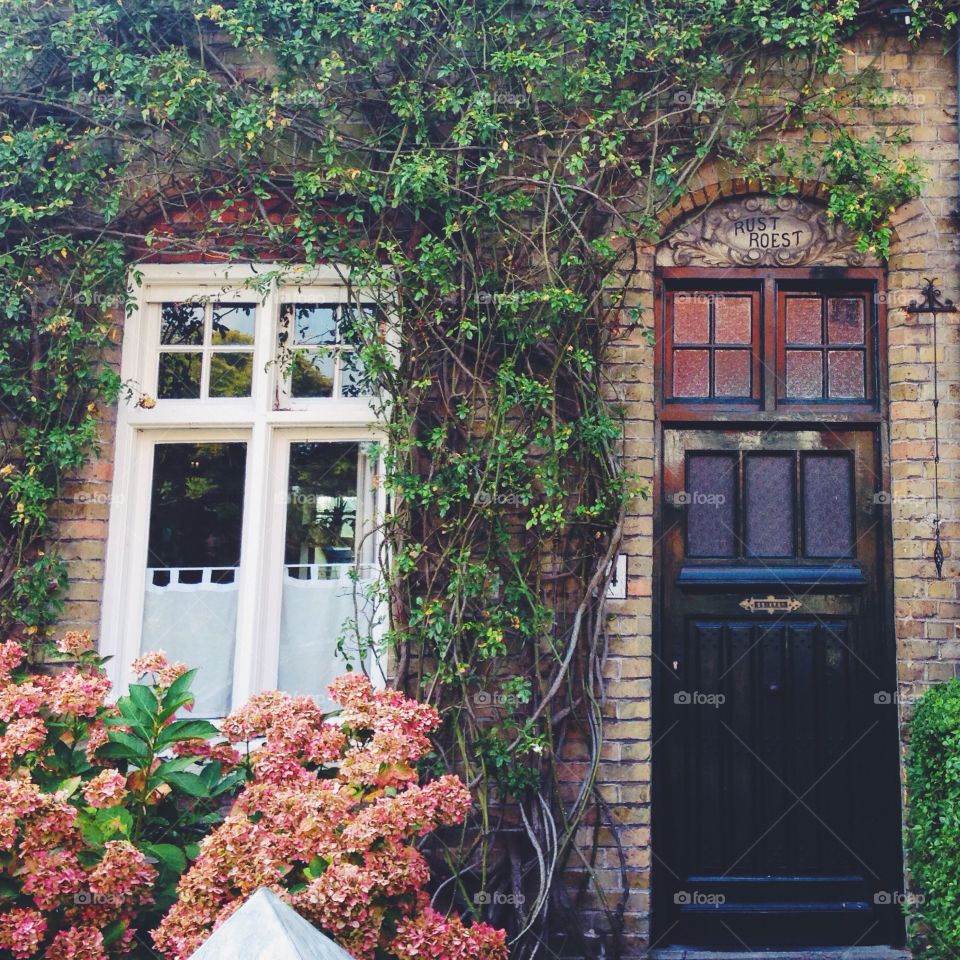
181 324
319 556
190 603
179 376
845 320
231 374
234 323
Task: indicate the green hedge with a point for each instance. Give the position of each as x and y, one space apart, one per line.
933 831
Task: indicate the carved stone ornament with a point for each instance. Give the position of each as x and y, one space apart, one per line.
761 231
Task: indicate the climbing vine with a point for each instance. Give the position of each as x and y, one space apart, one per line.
484 172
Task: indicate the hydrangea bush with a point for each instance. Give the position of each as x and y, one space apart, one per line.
328 821
125 824
98 813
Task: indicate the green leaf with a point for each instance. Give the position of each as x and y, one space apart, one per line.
189 783
177 695
145 701
186 730
113 931
170 857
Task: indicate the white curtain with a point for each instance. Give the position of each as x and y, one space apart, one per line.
197 624
313 614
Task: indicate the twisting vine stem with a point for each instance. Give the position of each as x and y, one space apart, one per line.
477 169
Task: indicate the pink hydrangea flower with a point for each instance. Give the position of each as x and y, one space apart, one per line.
11 656
156 663
22 932
77 692
77 943
22 736
106 789
75 642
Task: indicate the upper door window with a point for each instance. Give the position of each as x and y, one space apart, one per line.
711 336
768 343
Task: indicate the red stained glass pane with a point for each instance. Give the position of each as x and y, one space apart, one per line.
846 373
691 373
732 319
691 318
731 375
804 320
845 320
804 374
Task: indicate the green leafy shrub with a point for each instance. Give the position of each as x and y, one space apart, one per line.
933 831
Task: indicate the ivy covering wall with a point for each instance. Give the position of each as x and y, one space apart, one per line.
483 171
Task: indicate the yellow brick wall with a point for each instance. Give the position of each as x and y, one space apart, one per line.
926 609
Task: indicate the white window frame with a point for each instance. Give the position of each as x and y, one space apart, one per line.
255 420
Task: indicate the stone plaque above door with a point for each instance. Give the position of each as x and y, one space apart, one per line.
760 231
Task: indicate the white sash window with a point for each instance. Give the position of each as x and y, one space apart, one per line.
243 534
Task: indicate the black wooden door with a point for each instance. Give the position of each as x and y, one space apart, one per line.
776 732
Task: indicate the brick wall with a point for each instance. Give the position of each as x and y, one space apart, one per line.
926 609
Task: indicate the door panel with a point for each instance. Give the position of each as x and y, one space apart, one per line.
774 763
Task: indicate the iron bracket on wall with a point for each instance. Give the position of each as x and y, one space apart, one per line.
934 305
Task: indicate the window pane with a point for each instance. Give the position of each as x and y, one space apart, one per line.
732 319
710 495
190 604
691 318
731 375
827 505
804 320
354 381
234 323
181 324
314 324
804 374
312 374
769 505
845 320
319 554
231 374
846 373
691 373
179 376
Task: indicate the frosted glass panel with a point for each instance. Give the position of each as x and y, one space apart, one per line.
845 320
827 505
804 320
732 319
769 505
846 373
805 374
691 318
691 373
710 500
731 375
190 603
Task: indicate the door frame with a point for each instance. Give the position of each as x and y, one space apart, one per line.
735 414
